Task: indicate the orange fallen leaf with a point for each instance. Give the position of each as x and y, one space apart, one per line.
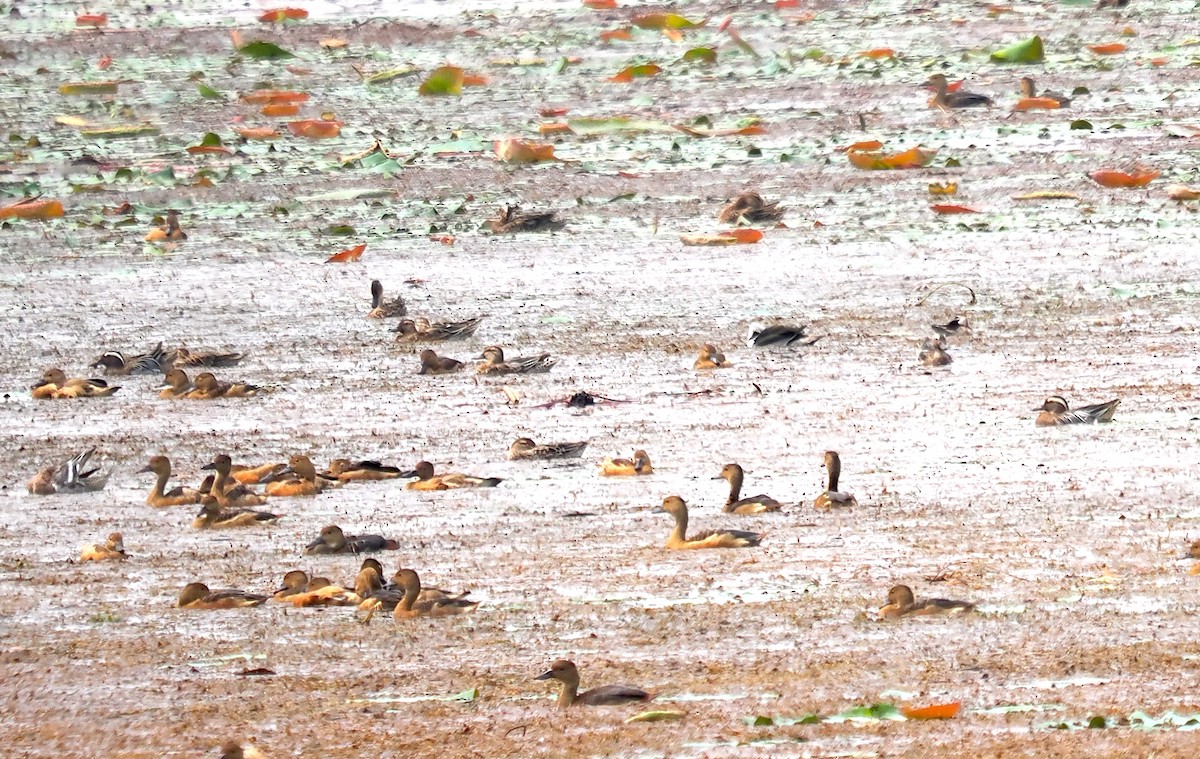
866 145
333 43
298 70
257 133
628 175
913 158
558 127
624 34
277 15
104 62
636 72
1156 62
1109 48
443 239
155 235
513 150
878 53
949 208
1195 569
1182 192
32 208
474 80
749 130
273 97
348 255
725 237
547 113
1113 178
91 20
933 711
315 129
209 149
1037 104
785 4
600 5
280 109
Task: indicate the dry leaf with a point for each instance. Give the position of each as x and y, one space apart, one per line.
1113 178
348 255
513 150
726 237
1182 192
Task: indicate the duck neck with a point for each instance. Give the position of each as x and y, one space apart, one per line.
566 696
411 591
679 534
735 488
835 471
160 484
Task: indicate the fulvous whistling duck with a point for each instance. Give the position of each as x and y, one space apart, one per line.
55 385
411 606
159 498
639 464
305 482
196 595
678 539
606 695
332 541
735 504
944 99
427 480
113 549
213 517
831 497
710 358
227 492
902 604
432 363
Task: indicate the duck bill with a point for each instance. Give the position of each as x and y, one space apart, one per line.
144 470
547 675
210 467
408 473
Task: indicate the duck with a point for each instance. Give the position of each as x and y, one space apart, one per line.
196 595
933 352
71 476
346 470
778 335
952 327
178 385
1054 411
294 583
210 359
333 541
113 549
639 464
304 480
523 448
831 497
117 363
159 497
678 539
902 604
512 219
321 592
257 474
55 385
427 480
425 331
235 750
494 363
735 504
710 358
213 517
208 387
385 309
377 597
227 492
749 207
174 232
944 99
432 363
606 695
411 605
1029 90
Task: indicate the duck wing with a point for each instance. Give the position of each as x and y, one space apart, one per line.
609 695
532 364
782 335
756 504
1098 412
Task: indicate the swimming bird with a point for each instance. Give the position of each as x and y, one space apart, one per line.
294 583
513 219
321 592
933 352
213 517
72 476
1055 412
299 478
424 331
385 309
196 595
524 448
113 549
952 327
211 359
207 387
902 604
227 492
55 385
159 497
494 363
178 385
346 470
831 497
678 539
115 362
606 695
777 335
432 363
332 541
711 358
639 464
735 504
427 480
411 606
749 207
944 99
235 750
1029 90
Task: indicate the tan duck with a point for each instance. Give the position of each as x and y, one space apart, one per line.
346 470
735 504
832 497
112 549
710 358
257 474
227 492
901 603
678 539
55 385
213 517
639 464
196 595
524 448
207 387
432 363
378 597
385 309
411 605
425 331
321 592
512 219
427 480
750 208
303 480
294 583
1029 90
159 496
178 385
606 695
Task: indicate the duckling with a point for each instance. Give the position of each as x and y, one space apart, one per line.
321 592
112 550
227 492
432 363
294 583
332 541
185 357
1029 90
55 385
346 470
305 482
944 99
411 606
778 335
524 448
678 539
424 331
426 480
933 352
115 362
831 497
494 363
159 498
758 504
901 604
606 695
750 208
952 327
711 358
1056 412
178 385
639 464
385 309
213 517
196 595
513 219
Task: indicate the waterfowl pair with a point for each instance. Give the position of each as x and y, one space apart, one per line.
735 504
300 591
679 539
606 695
72 476
379 597
196 595
832 497
495 363
113 549
55 385
412 605
750 208
385 309
524 448
159 496
428 480
512 219
901 603
425 331
298 478
639 464
333 541
710 358
1055 411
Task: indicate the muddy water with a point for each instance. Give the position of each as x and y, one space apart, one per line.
1067 538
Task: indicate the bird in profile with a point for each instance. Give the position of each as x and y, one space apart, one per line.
944 99
952 327
778 335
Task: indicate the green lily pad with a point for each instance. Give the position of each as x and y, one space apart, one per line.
208 92
260 50
445 80
1028 51
874 713
705 55
117 132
